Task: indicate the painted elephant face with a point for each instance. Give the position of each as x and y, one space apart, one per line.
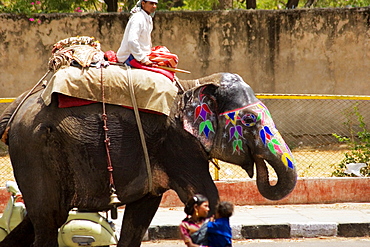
234 126
255 119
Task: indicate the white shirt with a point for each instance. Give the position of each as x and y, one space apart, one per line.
137 38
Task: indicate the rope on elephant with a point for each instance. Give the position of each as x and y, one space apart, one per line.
140 127
107 144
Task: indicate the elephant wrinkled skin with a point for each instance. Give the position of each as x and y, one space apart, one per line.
59 157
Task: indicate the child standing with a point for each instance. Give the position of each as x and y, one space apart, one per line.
219 231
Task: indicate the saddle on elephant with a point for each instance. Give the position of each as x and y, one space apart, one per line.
80 70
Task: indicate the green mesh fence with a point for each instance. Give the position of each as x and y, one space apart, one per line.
306 122
6 170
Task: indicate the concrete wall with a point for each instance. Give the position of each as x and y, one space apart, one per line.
321 51
307 191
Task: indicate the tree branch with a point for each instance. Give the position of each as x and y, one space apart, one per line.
251 4
309 3
112 5
292 4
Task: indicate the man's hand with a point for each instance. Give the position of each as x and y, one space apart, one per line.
150 64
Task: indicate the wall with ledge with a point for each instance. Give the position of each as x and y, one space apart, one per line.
317 51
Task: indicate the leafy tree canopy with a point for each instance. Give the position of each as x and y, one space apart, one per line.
69 6
48 6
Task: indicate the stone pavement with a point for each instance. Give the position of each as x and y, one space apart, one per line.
280 221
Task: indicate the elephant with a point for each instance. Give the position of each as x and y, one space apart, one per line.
59 155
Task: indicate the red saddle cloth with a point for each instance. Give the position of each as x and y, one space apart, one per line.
65 101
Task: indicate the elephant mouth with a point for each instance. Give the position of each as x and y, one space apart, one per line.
274 190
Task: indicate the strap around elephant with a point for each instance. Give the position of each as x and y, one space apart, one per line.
140 127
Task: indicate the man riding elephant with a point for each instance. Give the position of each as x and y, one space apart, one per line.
136 45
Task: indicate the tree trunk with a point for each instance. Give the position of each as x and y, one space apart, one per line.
292 4
112 5
309 3
251 4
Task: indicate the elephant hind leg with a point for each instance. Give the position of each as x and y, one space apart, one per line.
21 236
136 220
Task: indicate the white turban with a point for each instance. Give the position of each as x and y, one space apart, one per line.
137 7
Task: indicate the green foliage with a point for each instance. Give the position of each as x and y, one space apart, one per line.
197 5
263 4
341 3
271 4
30 7
359 143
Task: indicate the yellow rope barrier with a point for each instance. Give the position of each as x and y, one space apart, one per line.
277 96
6 100
312 96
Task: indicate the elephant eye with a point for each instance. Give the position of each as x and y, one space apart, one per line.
249 120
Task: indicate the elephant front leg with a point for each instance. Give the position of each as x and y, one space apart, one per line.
136 220
46 227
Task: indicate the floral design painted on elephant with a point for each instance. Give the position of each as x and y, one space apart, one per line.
200 119
235 131
268 134
206 125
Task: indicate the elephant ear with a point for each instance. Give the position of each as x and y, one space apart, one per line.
199 114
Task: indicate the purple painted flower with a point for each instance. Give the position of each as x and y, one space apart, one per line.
202 111
31 19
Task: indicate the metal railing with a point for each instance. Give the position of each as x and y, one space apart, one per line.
306 122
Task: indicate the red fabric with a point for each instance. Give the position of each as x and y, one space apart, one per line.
163 57
65 101
168 74
111 56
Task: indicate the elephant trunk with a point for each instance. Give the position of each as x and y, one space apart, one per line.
287 178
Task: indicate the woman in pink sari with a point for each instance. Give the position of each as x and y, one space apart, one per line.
196 209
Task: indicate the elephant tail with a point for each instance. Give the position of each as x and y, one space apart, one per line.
4 121
4 128
7 115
